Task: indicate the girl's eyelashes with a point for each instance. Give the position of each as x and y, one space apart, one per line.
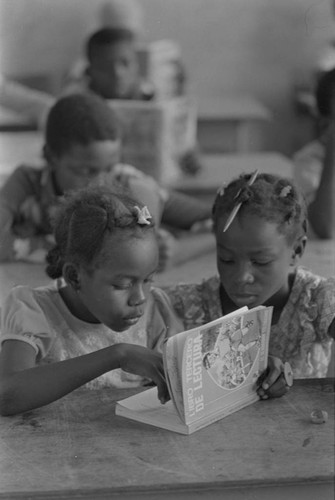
262 263
122 286
253 262
151 278
226 261
128 284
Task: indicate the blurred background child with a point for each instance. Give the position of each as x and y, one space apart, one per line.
315 162
113 72
82 143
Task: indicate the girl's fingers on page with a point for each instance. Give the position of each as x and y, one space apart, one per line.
274 370
163 393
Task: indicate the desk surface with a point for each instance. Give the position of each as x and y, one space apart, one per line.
220 168
26 147
77 446
319 257
11 121
234 108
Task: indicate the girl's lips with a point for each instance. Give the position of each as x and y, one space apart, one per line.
133 320
244 299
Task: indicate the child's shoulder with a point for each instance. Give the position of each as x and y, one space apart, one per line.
196 303
204 288
312 290
24 310
28 297
306 278
25 174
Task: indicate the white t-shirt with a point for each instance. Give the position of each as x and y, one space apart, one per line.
39 317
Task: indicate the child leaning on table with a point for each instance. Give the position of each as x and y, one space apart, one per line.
82 145
257 259
315 163
100 322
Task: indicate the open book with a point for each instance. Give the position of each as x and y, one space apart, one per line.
211 372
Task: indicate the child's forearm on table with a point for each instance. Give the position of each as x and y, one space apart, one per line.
34 387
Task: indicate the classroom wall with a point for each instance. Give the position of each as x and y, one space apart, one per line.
260 47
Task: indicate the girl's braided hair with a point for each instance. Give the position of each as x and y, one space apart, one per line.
81 222
272 198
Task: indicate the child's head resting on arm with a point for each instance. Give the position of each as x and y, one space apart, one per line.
82 141
257 254
107 252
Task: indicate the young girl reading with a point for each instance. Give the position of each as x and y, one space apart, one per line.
99 322
257 257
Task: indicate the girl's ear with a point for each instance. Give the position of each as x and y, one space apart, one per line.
298 249
71 275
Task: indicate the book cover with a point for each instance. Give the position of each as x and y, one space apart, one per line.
211 372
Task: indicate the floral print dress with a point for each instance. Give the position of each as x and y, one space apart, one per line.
301 335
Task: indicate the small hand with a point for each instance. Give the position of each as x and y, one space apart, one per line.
123 172
190 163
202 226
145 363
30 210
274 382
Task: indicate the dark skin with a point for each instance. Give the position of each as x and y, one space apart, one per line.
256 264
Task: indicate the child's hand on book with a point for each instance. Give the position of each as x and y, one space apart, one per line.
274 383
145 363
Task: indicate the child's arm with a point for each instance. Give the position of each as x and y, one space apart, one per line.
331 329
25 386
182 211
34 104
19 218
321 211
23 246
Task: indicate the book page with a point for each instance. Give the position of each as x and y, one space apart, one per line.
145 407
172 358
222 362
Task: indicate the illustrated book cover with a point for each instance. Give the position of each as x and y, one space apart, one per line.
211 372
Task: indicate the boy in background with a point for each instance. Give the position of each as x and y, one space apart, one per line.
113 73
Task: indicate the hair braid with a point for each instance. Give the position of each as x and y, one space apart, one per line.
273 198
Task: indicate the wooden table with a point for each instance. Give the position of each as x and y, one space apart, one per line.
319 257
77 448
221 168
12 121
231 123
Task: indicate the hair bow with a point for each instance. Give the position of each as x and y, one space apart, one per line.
142 215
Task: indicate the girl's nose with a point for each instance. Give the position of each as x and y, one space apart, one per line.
138 296
245 274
